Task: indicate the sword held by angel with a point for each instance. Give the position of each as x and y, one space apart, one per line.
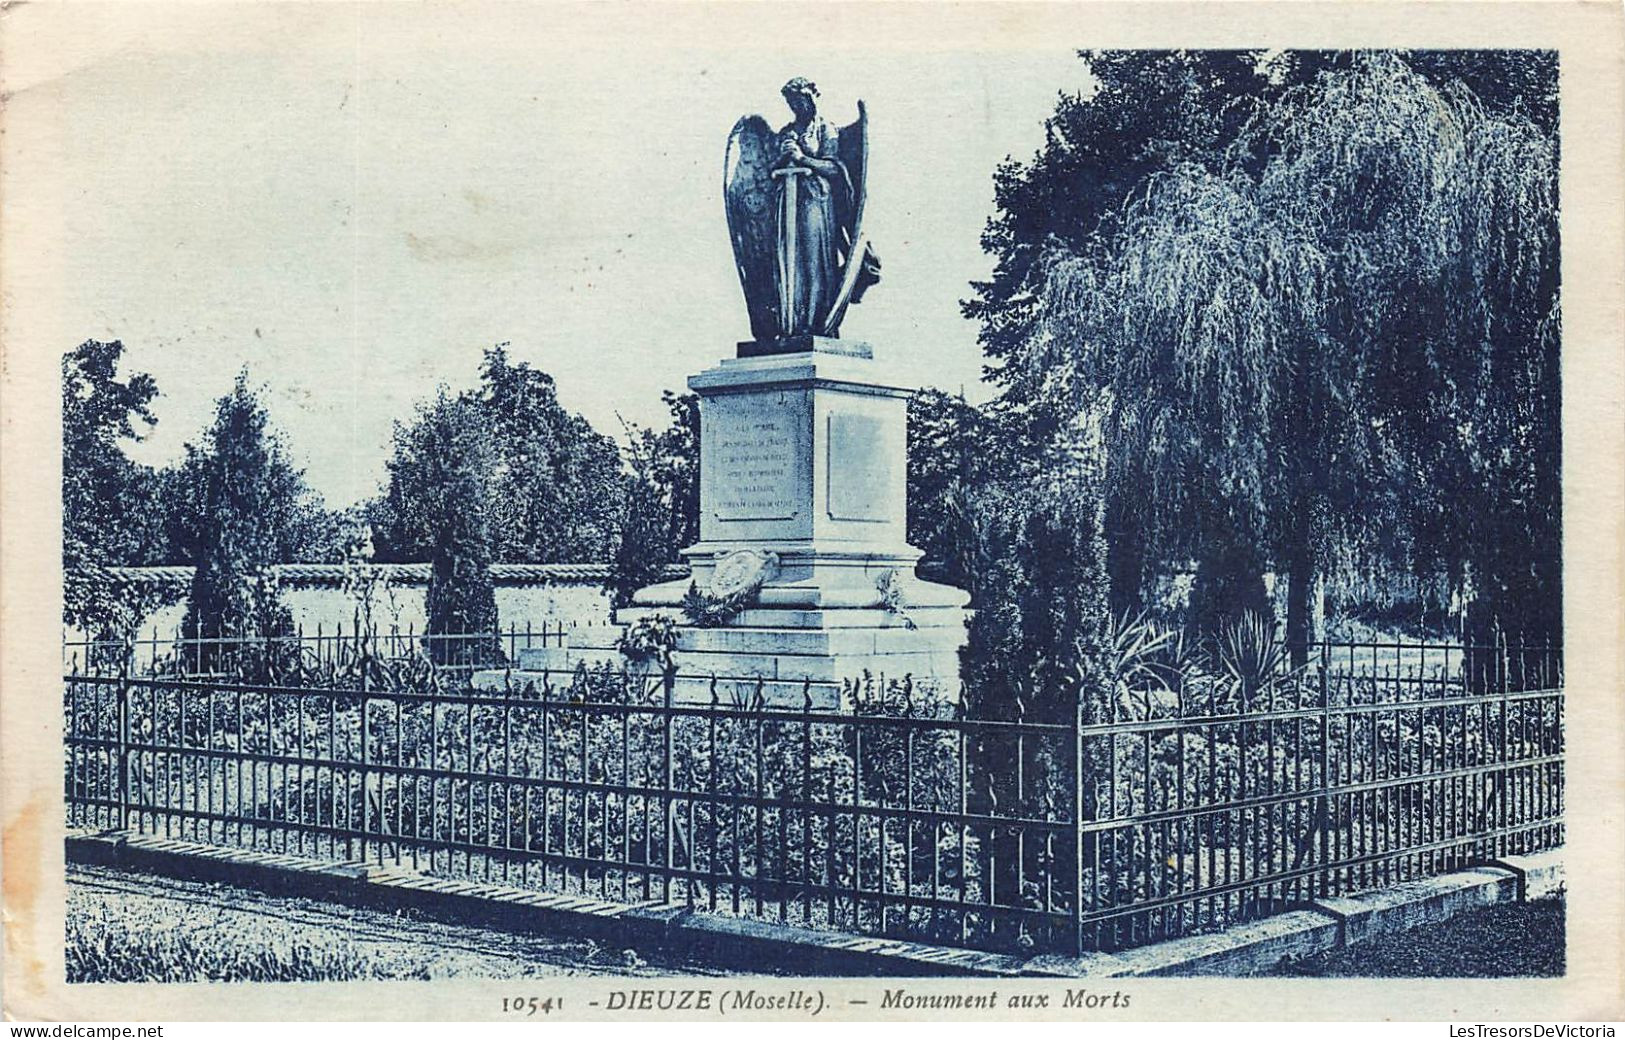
795 202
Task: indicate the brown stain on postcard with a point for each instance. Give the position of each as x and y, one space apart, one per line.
20 889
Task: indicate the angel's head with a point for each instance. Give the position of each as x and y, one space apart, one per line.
801 95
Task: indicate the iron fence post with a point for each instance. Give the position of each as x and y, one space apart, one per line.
124 736
1077 823
1322 874
364 760
668 774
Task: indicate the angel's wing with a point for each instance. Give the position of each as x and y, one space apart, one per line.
853 145
747 189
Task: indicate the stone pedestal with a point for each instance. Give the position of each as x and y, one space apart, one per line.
803 455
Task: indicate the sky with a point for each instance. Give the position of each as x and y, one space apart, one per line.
354 202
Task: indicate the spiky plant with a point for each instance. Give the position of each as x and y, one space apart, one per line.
1254 659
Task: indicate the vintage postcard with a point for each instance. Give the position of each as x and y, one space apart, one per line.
1082 512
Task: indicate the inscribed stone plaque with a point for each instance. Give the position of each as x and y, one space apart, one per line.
756 467
860 469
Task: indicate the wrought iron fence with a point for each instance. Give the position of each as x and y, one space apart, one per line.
333 652
1162 812
1218 802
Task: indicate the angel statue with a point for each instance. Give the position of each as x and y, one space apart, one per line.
795 212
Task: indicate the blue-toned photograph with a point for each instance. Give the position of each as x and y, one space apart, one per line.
1079 516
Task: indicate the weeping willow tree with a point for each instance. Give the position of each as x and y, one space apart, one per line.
1353 338
1444 218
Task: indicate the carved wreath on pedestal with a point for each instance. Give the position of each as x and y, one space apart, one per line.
734 583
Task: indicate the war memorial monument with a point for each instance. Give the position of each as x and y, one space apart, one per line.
803 558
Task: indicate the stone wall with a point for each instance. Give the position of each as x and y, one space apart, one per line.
526 594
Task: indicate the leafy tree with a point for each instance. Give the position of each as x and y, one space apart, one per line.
239 507
557 479
555 485
440 482
1440 207
111 512
1309 337
956 453
1150 111
502 473
1194 334
1040 625
1229 584
1153 111
1017 523
661 515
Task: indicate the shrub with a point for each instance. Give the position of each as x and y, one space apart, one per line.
1038 588
650 638
661 513
240 509
443 469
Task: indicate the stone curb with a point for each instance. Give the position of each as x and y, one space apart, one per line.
715 939
690 935
1539 875
1327 924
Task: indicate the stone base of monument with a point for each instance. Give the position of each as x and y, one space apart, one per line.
803 464
795 646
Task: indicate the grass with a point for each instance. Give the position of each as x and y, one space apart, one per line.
126 927
106 945
1510 940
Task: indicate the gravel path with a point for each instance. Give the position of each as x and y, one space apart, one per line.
1511 940
125 926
